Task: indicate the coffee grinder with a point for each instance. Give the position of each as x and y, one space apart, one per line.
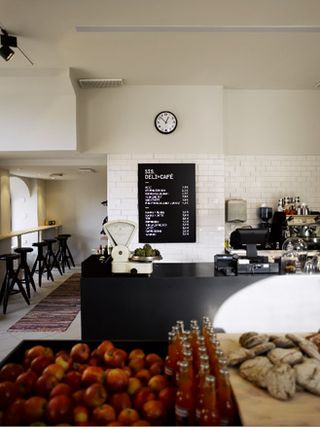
265 214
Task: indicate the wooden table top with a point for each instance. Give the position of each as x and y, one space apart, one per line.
258 408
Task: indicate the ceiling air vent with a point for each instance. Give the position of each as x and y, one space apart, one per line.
100 83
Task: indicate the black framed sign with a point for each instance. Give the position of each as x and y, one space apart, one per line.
167 202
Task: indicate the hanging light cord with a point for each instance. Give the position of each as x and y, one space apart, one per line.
25 55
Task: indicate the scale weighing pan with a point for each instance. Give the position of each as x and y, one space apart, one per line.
120 232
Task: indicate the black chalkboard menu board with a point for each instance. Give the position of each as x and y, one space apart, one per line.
167 202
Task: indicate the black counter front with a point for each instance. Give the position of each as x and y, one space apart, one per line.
145 308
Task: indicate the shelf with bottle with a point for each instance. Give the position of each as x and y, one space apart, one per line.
297 220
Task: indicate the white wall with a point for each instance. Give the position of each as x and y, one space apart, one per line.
37 122
77 206
266 179
5 216
121 120
37 112
279 122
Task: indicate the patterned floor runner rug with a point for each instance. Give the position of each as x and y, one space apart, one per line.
55 312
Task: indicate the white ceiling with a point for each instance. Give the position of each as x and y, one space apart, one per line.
47 33
255 44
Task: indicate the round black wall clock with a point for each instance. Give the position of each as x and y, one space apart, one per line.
165 122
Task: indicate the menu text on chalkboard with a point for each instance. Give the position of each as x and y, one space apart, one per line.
167 202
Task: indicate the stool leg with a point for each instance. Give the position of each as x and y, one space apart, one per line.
6 294
69 255
47 268
60 259
30 278
53 262
3 287
25 279
37 261
56 264
66 260
16 280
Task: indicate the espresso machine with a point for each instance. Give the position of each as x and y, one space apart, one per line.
279 230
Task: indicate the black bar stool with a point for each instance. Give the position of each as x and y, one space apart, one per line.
51 257
10 279
24 268
42 263
64 254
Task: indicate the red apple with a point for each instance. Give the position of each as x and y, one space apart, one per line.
45 384
34 409
116 379
79 367
93 374
59 410
120 401
63 359
73 379
26 382
61 388
10 371
95 395
142 396
94 361
77 396
144 375
136 364
38 350
80 352
168 395
154 411
157 383
136 353
128 416
13 415
114 358
152 358
128 371
55 370
123 353
134 385
156 368
102 348
103 415
39 363
80 415
9 391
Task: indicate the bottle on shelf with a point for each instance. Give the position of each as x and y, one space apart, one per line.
209 412
171 359
204 370
226 404
185 404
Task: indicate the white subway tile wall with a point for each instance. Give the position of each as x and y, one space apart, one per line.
257 179
123 201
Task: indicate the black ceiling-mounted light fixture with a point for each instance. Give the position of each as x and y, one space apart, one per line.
7 43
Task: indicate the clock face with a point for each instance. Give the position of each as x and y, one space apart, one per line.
165 122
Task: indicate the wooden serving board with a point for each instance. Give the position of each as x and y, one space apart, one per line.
258 408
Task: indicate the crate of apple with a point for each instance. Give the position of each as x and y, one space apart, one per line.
85 385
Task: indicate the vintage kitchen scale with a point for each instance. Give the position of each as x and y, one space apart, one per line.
121 233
